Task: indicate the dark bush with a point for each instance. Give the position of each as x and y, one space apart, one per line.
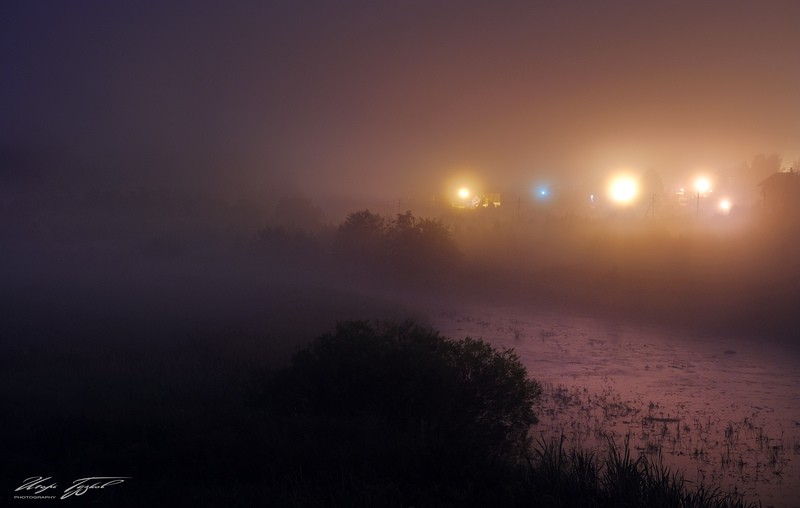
405 247
401 406
361 238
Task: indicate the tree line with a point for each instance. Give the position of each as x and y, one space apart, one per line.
404 246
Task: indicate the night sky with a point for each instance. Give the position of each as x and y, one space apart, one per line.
390 98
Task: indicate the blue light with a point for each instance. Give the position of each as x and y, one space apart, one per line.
543 192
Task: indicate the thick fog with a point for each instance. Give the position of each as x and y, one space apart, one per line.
191 191
366 100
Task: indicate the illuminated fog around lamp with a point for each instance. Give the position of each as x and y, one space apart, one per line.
623 190
702 185
463 193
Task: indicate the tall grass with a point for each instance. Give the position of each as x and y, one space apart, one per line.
572 477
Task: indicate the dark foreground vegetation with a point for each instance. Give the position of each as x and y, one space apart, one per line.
578 478
367 415
148 335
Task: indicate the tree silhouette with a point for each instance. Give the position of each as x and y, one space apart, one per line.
361 239
437 411
422 247
751 174
405 246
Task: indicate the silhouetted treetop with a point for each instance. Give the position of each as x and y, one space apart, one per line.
405 246
441 392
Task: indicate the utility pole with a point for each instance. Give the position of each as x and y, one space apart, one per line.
651 207
697 214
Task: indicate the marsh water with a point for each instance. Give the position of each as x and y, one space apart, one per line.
721 409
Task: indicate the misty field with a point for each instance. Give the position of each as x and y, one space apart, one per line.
138 330
722 410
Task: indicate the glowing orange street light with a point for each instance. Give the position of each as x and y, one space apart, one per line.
725 206
464 193
623 189
703 185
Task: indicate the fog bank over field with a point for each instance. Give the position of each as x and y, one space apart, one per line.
196 251
139 323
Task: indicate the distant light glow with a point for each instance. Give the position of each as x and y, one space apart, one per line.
542 192
725 206
462 188
702 185
623 189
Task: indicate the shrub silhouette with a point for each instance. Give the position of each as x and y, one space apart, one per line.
406 246
399 404
420 247
361 238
